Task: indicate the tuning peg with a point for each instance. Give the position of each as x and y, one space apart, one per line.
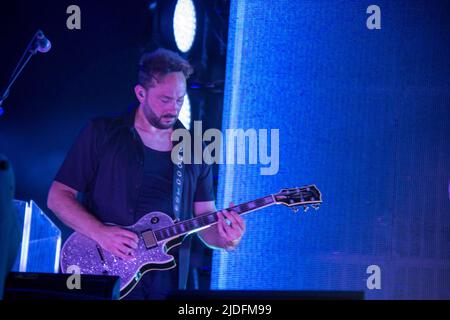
315 206
294 209
305 208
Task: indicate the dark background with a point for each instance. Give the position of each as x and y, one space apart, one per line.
88 73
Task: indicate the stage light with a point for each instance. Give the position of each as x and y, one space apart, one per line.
184 24
185 113
152 5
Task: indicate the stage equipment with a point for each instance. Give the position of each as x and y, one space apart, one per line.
39 43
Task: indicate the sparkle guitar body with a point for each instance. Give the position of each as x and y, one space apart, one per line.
158 234
90 258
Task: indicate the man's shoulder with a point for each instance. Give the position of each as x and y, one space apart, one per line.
100 124
105 124
99 130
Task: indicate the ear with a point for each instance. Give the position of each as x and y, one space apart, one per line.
140 92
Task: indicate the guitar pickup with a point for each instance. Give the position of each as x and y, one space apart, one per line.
149 239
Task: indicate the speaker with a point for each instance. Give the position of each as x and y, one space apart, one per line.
10 232
264 295
49 286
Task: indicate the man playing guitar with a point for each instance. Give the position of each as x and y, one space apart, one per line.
122 167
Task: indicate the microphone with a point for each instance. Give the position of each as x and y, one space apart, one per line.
39 43
42 44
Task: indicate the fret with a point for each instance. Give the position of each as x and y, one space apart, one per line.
204 220
269 200
251 205
259 202
212 218
208 219
241 208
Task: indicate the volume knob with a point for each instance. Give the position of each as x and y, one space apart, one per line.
154 220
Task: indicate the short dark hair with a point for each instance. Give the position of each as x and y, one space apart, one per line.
158 63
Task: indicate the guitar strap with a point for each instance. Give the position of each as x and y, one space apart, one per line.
184 250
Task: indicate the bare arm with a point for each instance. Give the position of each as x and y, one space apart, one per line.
220 235
62 200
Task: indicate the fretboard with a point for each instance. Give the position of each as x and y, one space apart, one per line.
207 220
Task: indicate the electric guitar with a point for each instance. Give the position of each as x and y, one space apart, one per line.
158 234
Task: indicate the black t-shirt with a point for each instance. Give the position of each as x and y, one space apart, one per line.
156 189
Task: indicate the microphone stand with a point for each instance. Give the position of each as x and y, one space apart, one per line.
31 49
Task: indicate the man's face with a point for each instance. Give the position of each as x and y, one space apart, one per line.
162 103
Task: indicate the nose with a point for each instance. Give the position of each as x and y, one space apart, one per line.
172 108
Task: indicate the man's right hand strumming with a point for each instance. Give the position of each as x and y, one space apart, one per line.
62 200
118 241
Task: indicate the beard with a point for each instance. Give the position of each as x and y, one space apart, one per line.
165 121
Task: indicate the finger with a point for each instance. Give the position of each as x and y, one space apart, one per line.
130 243
221 228
240 221
230 225
229 216
122 255
222 220
228 231
233 217
236 214
126 233
231 232
221 217
127 252
129 234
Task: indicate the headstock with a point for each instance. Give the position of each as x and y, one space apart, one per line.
302 196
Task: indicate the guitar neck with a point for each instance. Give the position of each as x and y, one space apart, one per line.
204 221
